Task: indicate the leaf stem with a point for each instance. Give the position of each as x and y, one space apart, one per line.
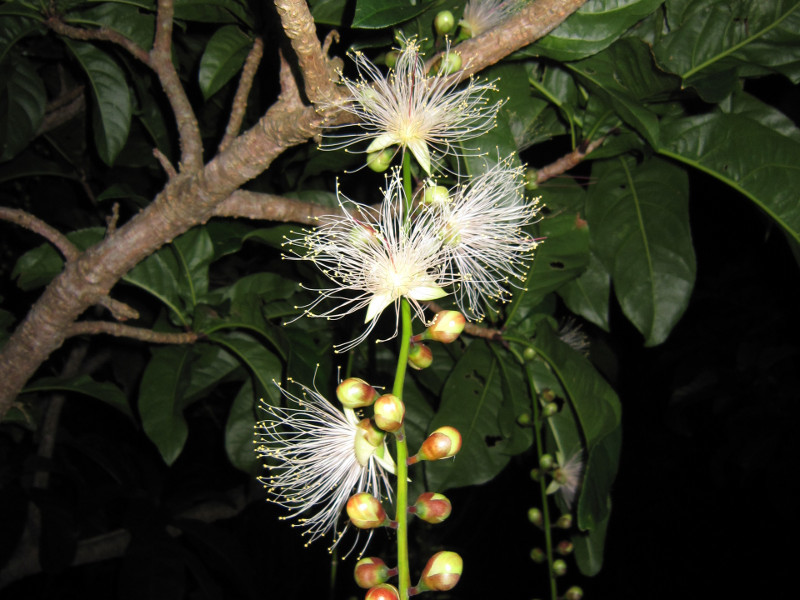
401 516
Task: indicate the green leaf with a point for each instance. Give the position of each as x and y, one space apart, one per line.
112 109
159 275
712 36
22 104
377 14
214 11
83 384
593 28
750 107
639 222
122 191
14 28
38 266
161 399
125 19
263 364
758 162
19 9
222 59
194 251
589 546
588 295
625 76
239 429
210 365
328 12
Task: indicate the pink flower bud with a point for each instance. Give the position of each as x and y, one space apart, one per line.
419 357
356 393
432 507
442 443
389 412
383 591
371 571
442 571
446 326
565 547
538 555
564 521
365 511
559 567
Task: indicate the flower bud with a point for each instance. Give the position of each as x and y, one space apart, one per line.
356 393
362 237
419 356
444 22
550 409
436 195
365 511
529 354
391 58
446 326
531 179
432 507
559 567
524 419
573 593
535 516
565 547
371 571
442 571
560 476
546 462
535 474
548 395
564 521
451 63
380 160
538 555
389 412
383 591
442 443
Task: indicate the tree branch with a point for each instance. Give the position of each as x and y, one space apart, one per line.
35 224
102 34
136 333
266 207
242 92
65 107
568 161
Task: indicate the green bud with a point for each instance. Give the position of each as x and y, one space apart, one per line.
382 591
380 160
371 571
444 22
356 393
419 357
546 462
451 63
529 354
565 547
432 507
559 567
548 395
564 521
365 511
531 179
538 555
549 409
535 516
436 195
391 58
389 412
442 571
524 419
573 593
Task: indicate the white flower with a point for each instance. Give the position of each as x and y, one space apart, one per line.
407 108
571 334
481 231
321 461
567 477
482 15
376 257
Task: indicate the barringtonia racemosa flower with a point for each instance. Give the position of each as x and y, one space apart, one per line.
323 456
376 257
567 477
481 227
482 15
428 115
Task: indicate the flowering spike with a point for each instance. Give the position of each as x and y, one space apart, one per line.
442 443
389 412
365 511
442 571
383 591
356 393
432 507
370 572
446 326
419 357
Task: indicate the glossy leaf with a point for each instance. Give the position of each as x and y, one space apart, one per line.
639 221
239 429
13 28
112 109
83 384
590 546
38 266
210 365
222 59
589 294
159 275
125 19
161 396
377 14
597 25
753 159
194 252
328 12
22 104
263 364
213 11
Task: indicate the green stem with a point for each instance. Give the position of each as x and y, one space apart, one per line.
407 182
404 576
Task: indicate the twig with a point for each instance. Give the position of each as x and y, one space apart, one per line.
35 224
119 310
100 34
164 162
65 107
567 162
242 92
137 333
111 220
266 207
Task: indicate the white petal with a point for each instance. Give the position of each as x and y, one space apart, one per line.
427 292
376 306
420 151
382 141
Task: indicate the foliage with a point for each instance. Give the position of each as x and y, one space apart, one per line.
665 84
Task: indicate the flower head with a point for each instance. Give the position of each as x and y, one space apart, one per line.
375 258
323 457
407 108
482 15
482 233
567 477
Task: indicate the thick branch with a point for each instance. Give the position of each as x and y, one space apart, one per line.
254 205
242 92
28 221
136 333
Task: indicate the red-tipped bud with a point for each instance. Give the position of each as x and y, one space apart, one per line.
535 516
442 443
389 412
538 555
564 521
559 567
546 462
419 357
565 547
365 511
383 591
573 593
371 571
446 326
380 160
356 393
432 507
442 571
